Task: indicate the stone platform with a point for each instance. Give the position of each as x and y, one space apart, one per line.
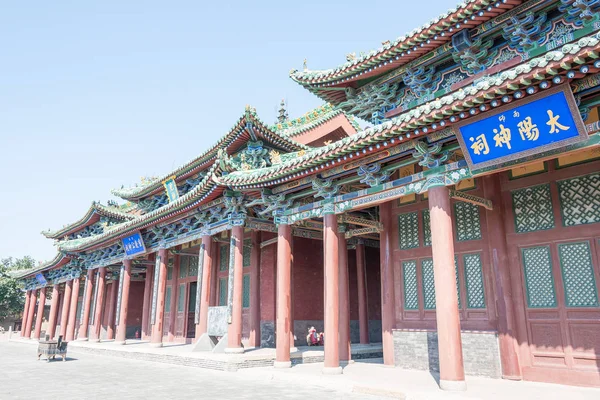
181 354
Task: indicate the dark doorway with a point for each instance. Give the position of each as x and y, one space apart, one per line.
191 326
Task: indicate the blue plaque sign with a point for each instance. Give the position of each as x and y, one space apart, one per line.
171 189
134 244
41 279
546 121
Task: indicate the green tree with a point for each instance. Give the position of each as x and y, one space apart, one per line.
12 298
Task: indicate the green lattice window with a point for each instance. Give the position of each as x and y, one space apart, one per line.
181 298
224 258
246 292
411 298
408 230
170 269
192 266
457 281
168 299
223 291
537 265
183 267
474 280
426 228
580 200
578 274
468 226
247 252
428 284
532 207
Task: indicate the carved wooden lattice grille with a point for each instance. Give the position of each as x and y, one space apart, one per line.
474 281
168 299
408 227
426 228
532 207
247 252
580 200
537 265
246 292
468 226
223 291
457 281
411 298
428 284
224 258
193 266
578 274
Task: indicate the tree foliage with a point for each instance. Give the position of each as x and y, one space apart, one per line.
12 298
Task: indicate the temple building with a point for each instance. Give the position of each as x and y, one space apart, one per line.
461 228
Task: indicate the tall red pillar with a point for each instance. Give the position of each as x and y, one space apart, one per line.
146 331
344 335
123 299
73 311
505 309
206 260
112 306
53 312
40 314
160 273
332 295
25 312
254 339
283 303
452 375
100 287
87 302
66 302
387 282
361 279
234 331
30 313
173 305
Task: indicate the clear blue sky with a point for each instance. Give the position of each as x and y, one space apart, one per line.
95 95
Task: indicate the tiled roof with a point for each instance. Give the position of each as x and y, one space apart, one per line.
395 53
402 127
311 120
58 258
95 208
284 141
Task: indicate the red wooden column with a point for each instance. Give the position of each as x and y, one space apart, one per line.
254 340
332 295
146 331
30 313
283 302
66 302
123 307
387 282
40 314
234 331
25 312
505 308
53 312
361 275
73 311
173 305
159 307
100 287
87 302
206 261
345 350
112 305
452 374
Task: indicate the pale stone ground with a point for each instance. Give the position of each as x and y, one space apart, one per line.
86 376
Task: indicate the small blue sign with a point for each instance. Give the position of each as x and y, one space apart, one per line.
171 189
41 279
134 244
514 132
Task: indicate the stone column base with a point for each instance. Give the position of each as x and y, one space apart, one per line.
122 342
282 364
234 350
332 370
156 345
454 386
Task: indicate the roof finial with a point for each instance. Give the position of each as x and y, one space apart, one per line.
283 114
305 66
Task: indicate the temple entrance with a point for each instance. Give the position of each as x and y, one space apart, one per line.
191 311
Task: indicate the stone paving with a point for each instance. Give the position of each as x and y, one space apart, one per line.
87 376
